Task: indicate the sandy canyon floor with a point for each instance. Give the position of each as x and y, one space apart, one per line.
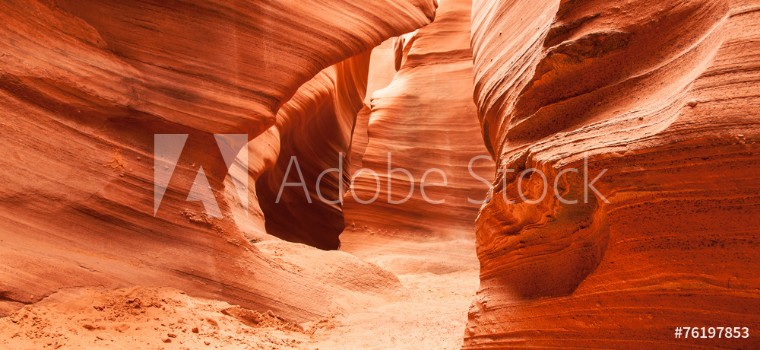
429 310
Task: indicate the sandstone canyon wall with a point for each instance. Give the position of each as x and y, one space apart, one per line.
657 100
382 69
423 122
662 97
315 128
84 87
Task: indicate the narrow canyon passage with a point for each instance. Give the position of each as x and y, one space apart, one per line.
418 116
379 174
407 271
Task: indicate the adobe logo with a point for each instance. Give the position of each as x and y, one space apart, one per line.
167 149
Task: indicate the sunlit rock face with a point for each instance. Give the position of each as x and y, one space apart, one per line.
85 86
382 69
661 97
423 126
653 103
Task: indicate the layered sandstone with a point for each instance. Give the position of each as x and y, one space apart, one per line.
661 97
318 140
382 69
85 86
300 194
423 129
655 103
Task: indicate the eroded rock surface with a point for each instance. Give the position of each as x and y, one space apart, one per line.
85 86
423 128
661 98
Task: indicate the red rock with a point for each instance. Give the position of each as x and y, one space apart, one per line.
614 81
659 99
82 95
424 119
315 127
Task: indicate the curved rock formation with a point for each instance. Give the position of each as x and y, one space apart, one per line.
659 97
85 86
625 200
243 59
325 127
423 127
315 136
381 72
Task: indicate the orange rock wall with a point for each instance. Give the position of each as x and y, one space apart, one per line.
424 119
315 129
85 85
661 95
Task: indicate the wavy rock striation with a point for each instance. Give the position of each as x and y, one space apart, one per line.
85 85
315 129
661 97
423 123
382 69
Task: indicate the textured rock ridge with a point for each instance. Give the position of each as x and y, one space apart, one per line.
661 97
84 87
423 120
253 54
382 69
507 112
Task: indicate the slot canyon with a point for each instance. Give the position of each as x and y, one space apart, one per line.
379 174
